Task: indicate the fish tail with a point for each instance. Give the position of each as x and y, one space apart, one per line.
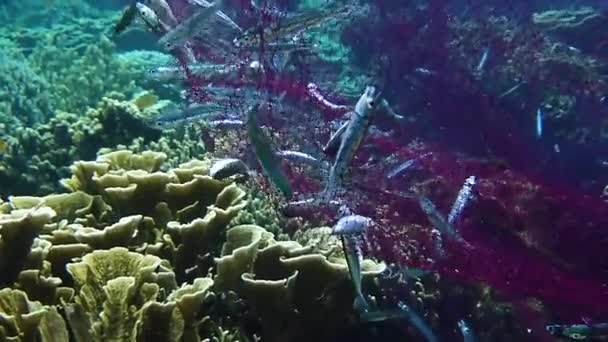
360 305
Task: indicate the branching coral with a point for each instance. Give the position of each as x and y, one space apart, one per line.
38 157
25 96
69 69
259 211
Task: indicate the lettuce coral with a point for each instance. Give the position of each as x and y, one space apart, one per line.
22 320
133 253
283 280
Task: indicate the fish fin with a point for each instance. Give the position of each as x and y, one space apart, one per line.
334 141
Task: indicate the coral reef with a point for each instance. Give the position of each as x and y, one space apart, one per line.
25 96
282 279
135 253
79 67
64 56
39 156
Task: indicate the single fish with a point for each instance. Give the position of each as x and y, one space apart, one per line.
189 28
483 61
226 124
425 72
403 312
228 167
436 218
220 14
352 253
556 148
462 199
350 139
417 321
299 157
175 118
511 90
579 332
315 94
164 12
149 17
266 156
386 108
126 19
348 228
290 27
165 74
397 170
539 123
467 333
382 315
176 73
307 207
335 139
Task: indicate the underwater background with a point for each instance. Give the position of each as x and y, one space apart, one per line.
303 170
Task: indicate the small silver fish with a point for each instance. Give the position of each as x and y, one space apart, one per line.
511 90
539 123
189 28
425 72
352 253
484 60
292 26
350 136
462 199
227 124
386 108
381 316
220 14
228 167
436 218
175 118
150 18
397 170
165 74
300 157
164 12
208 72
416 320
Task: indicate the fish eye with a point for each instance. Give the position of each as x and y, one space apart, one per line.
372 103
